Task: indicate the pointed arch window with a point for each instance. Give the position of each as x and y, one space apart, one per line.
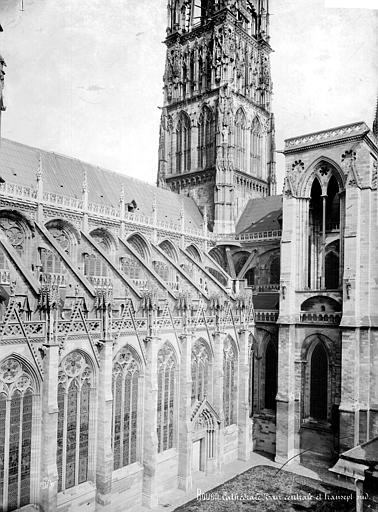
240 140
94 266
229 383
126 373
183 135
319 383
166 397
256 148
74 408
17 407
130 267
206 139
200 371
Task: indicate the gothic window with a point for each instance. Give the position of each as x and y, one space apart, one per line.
183 144
332 266
206 139
274 270
256 148
319 383
130 267
161 269
250 277
200 371
51 262
229 382
166 397
74 406
17 391
14 232
240 140
94 266
270 376
126 372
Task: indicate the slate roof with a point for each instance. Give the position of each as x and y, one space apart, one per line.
64 175
261 214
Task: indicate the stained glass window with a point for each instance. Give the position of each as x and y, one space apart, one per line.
183 136
200 371
126 372
229 383
16 414
74 393
166 397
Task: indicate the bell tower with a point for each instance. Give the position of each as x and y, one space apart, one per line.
217 129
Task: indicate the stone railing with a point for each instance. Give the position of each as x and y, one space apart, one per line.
260 235
71 203
100 281
266 316
317 137
103 210
19 191
14 330
54 278
324 318
257 288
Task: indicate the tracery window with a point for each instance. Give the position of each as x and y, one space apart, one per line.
229 382
14 232
94 266
200 371
74 405
126 372
240 139
256 148
17 391
51 262
183 144
206 139
161 269
130 267
166 397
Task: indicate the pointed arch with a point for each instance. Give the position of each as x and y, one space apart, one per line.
206 138
194 252
140 244
200 367
183 143
230 363
240 139
166 399
105 239
313 170
75 418
170 249
64 232
256 147
127 370
19 390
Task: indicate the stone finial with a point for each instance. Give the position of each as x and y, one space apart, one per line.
39 173
85 182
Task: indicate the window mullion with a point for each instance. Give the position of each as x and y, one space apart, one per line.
19 453
6 453
64 441
78 428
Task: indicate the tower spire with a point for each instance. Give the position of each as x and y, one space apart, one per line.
375 122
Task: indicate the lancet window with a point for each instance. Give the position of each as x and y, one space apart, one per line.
256 148
183 144
206 139
166 397
74 413
200 371
17 407
240 140
126 374
229 382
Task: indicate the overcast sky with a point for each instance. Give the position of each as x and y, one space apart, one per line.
84 77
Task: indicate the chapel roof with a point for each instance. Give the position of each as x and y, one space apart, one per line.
64 175
261 214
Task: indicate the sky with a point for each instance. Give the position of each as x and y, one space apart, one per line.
84 77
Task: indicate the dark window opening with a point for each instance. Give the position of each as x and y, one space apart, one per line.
319 383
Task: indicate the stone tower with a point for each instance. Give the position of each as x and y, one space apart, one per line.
217 129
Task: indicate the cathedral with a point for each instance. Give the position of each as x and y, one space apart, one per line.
151 334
